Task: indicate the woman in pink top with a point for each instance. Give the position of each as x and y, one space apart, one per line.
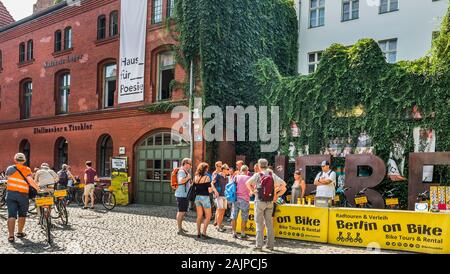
242 203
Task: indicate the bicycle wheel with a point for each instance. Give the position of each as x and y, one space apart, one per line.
32 207
79 197
109 200
55 213
63 213
47 224
2 197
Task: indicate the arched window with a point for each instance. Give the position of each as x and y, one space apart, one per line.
58 39
104 154
22 52
61 153
62 92
109 78
101 27
25 148
113 23
30 50
166 73
26 93
68 38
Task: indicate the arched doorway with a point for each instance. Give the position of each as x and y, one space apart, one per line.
156 156
25 148
104 155
61 153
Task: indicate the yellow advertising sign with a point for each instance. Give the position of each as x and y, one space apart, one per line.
361 200
392 201
297 222
305 223
44 201
120 179
390 229
60 193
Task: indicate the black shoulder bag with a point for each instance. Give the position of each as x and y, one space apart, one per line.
32 192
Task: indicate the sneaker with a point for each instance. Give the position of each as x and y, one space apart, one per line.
85 207
242 237
181 232
221 229
235 236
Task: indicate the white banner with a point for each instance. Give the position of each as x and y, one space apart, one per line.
133 29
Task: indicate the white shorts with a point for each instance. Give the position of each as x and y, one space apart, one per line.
89 189
221 203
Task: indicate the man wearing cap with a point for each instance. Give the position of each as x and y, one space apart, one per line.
18 184
326 181
45 176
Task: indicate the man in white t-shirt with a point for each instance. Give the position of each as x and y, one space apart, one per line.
326 181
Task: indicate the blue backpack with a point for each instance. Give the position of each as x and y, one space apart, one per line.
230 192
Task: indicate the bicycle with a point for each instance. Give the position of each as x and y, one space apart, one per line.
340 200
75 194
60 209
2 190
44 202
390 201
103 194
361 199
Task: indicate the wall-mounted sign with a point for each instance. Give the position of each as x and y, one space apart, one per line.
63 61
121 150
133 30
61 129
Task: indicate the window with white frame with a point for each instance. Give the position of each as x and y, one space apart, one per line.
316 13
313 61
350 10
389 49
388 5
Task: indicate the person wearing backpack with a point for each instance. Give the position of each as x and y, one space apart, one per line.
45 177
326 182
183 184
242 203
64 176
202 181
267 187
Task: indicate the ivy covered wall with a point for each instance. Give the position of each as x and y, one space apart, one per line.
323 104
225 39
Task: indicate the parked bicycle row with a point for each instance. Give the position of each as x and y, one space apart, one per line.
47 194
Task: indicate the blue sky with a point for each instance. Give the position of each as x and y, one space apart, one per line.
19 8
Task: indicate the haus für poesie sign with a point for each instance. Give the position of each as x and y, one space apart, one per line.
133 25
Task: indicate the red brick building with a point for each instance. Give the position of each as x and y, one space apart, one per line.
58 99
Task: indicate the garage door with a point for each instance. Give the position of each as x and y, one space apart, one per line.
156 157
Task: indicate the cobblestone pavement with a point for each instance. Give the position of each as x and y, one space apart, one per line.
142 229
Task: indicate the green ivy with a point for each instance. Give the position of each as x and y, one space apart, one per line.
225 39
163 107
359 76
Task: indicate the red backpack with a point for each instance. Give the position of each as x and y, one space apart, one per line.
174 178
265 187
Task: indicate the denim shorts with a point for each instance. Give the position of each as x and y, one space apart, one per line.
240 205
17 204
203 201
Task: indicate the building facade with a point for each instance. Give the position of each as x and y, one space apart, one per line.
58 99
404 29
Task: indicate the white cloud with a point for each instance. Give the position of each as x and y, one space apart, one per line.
19 9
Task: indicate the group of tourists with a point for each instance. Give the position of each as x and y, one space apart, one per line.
235 189
23 184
